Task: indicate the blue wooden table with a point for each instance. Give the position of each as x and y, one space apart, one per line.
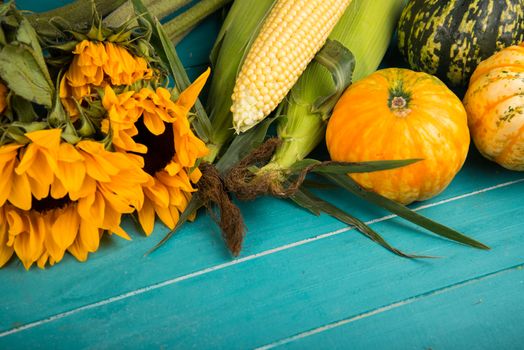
301 281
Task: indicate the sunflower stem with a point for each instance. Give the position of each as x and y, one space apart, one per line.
158 8
182 24
79 13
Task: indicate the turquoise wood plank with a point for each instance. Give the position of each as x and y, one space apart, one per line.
483 313
278 294
40 6
272 224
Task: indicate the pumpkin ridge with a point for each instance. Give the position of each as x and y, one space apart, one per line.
483 71
508 146
489 108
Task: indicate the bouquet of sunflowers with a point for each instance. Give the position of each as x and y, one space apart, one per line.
90 131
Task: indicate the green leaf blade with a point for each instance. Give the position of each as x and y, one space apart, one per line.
361 167
316 205
350 185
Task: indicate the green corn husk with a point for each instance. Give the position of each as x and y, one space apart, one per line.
238 30
365 29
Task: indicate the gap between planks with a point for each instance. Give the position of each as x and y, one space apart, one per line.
389 307
236 262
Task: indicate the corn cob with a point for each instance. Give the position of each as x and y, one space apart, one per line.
289 39
240 26
366 29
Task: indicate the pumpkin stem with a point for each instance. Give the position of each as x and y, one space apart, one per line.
398 104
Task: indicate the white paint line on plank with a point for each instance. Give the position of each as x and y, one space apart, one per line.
386 308
235 262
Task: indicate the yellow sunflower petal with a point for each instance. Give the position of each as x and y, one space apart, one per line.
89 236
92 208
112 223
20 194
175 213
29 245
78 250
146 217
158 194
41 170
5 180
81 47
97 52
65 228
5 251
42 260
15 223
46 142
173 168
55 252
28 156
195 175
38 189
153 123
96 167
74 74
57 190
166 216
109 98
88 187
176 196
65 90
71 168
189 96
68 153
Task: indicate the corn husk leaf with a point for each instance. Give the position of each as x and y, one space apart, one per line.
243 144
340 62
404 212
236 34
316 205
345 168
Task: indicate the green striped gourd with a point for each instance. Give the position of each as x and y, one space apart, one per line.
450 38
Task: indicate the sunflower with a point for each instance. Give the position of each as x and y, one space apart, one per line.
3 97
151 125
97 64
57 197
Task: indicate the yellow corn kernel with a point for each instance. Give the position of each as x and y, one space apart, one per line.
289 39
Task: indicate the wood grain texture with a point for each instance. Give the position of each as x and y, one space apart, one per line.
487 314
297 273
271 224
277 295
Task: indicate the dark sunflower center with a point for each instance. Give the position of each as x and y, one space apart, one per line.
49 203
160 148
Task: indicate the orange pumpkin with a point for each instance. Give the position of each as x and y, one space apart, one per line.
495 106
401 114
